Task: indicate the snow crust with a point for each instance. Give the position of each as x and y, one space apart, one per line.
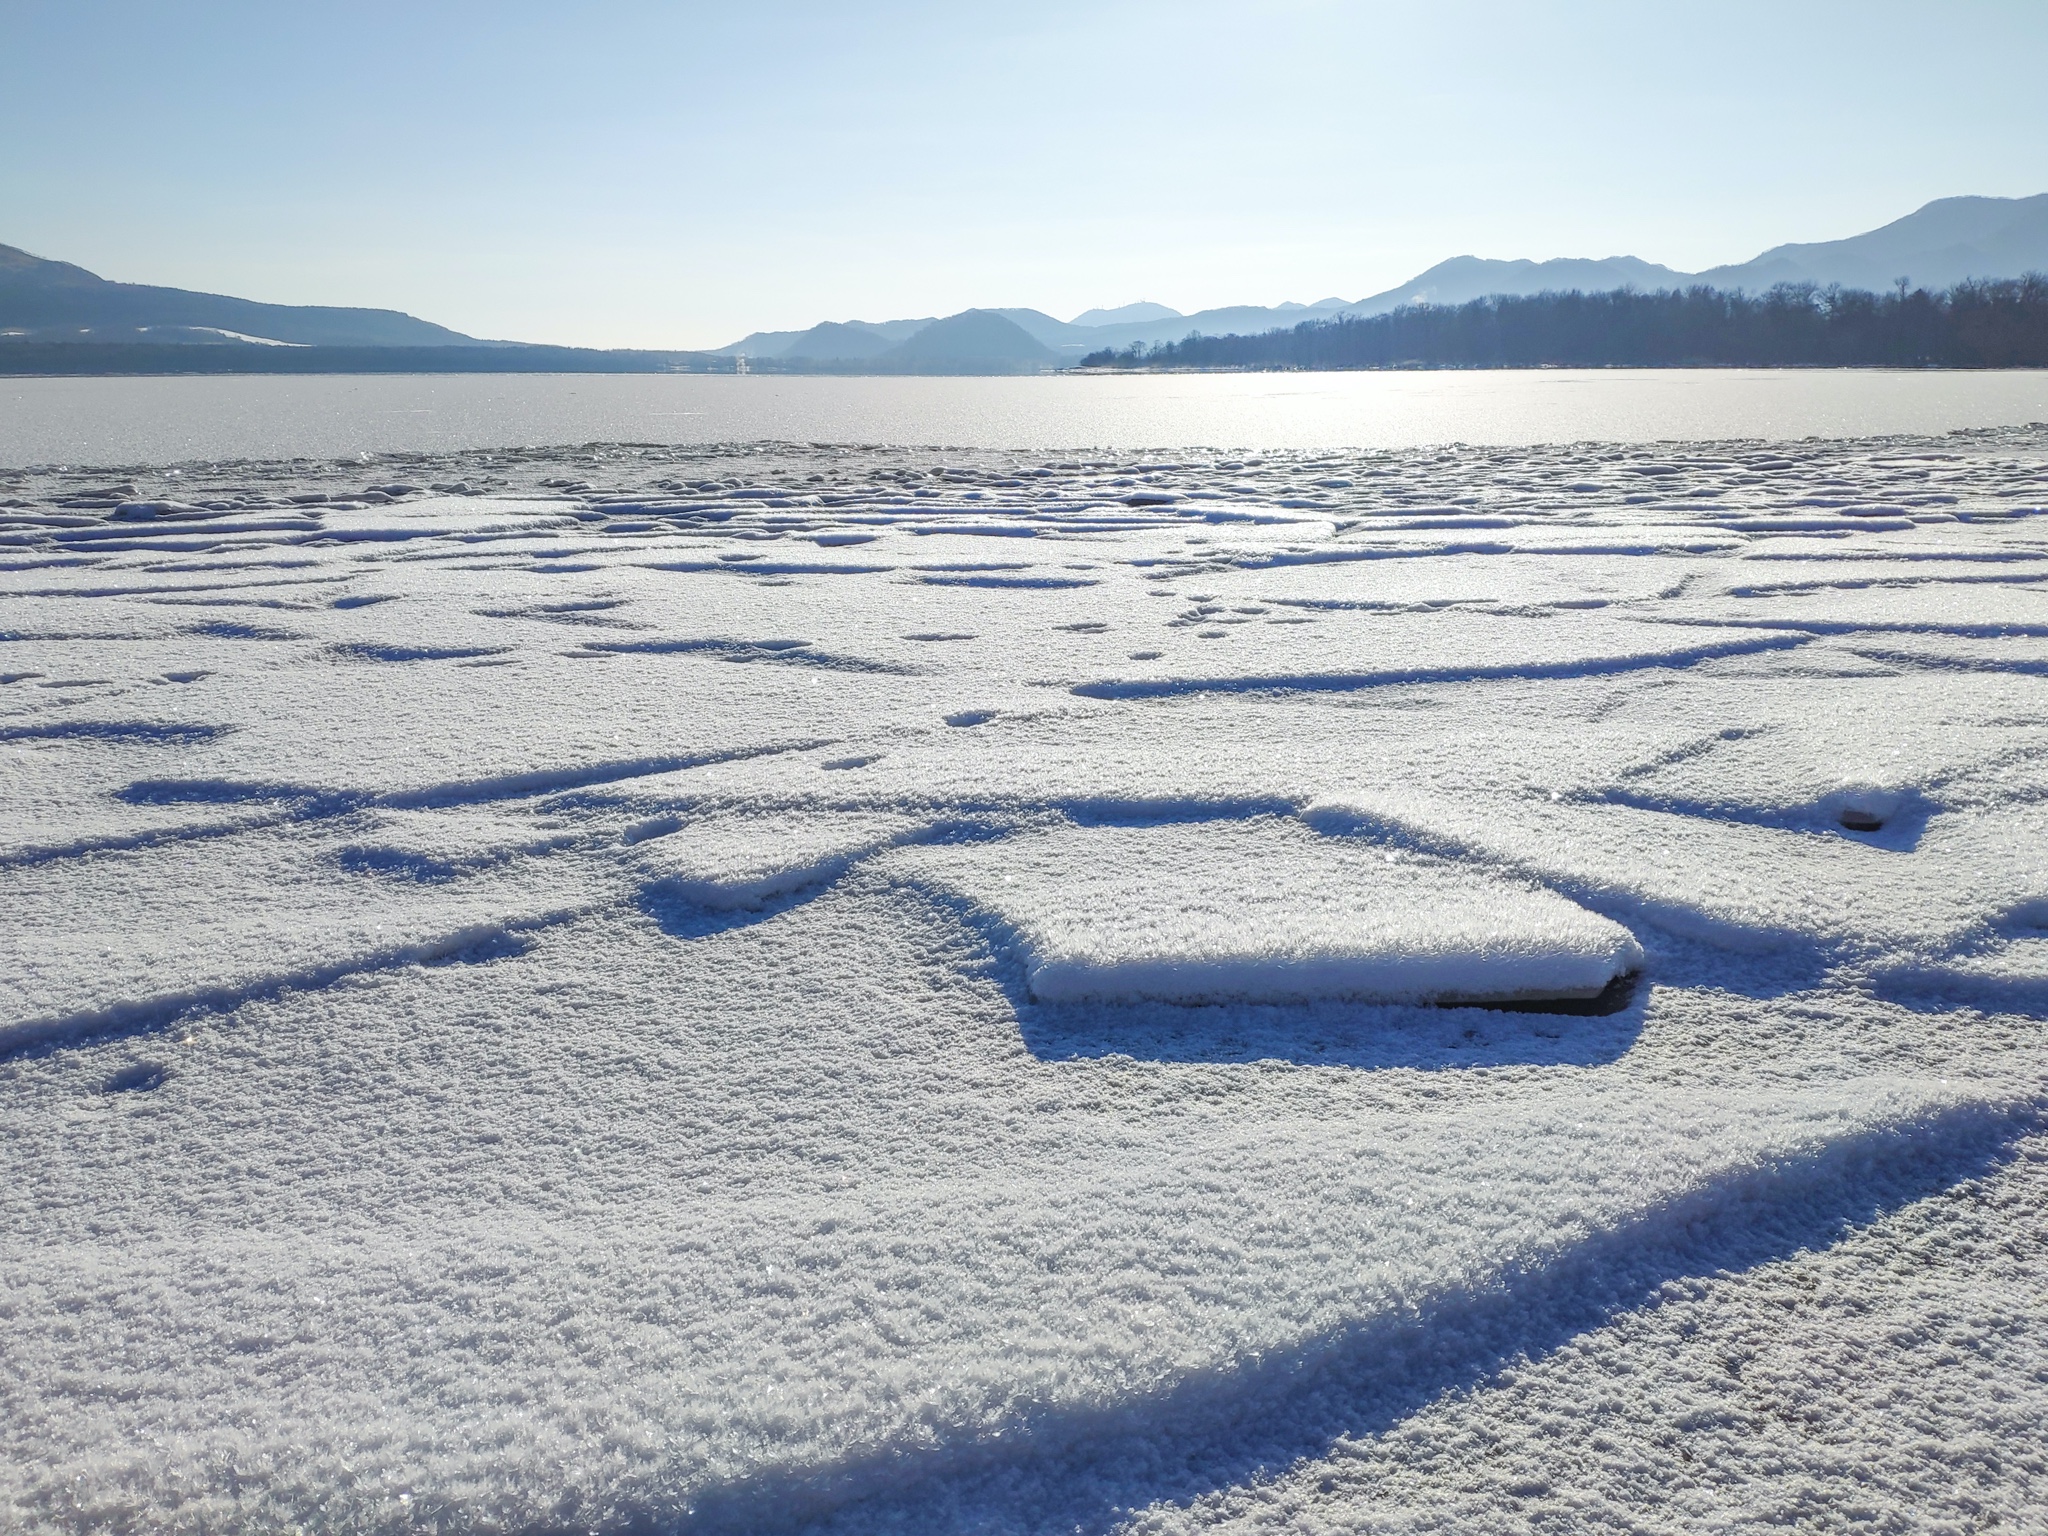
856 989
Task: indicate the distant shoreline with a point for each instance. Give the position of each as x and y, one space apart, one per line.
1975 325
37 359
10 368
13 365
1190 369
66 359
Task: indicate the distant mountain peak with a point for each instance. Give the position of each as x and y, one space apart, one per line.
972 336
1124 314
838 341
1935 246
18 266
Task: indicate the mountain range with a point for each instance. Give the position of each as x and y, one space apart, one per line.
55 302
1937 246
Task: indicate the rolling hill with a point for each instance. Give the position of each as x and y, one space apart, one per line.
1936 247
54 301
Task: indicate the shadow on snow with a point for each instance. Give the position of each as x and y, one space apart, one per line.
1086 1469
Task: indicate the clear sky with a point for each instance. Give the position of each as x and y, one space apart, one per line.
626 173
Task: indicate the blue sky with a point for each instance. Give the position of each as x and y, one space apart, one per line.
637 174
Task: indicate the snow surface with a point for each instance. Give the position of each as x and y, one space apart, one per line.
781 987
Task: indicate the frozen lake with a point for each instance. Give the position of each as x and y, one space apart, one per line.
172 420
769 987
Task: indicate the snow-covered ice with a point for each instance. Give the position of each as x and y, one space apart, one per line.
794 987
1264 912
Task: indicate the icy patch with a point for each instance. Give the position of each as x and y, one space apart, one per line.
1267 912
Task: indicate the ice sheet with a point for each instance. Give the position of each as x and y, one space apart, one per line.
735 988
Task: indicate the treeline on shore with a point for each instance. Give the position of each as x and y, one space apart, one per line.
1987 324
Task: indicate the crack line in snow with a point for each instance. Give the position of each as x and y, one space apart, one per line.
477 942
1346 682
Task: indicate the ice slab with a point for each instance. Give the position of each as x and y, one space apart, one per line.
1265 911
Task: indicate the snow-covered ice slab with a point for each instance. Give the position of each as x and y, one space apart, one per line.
1268 912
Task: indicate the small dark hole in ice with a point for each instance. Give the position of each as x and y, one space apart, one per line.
137 1077
1860 821
971 717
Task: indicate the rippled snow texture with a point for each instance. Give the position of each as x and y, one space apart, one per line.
739 989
